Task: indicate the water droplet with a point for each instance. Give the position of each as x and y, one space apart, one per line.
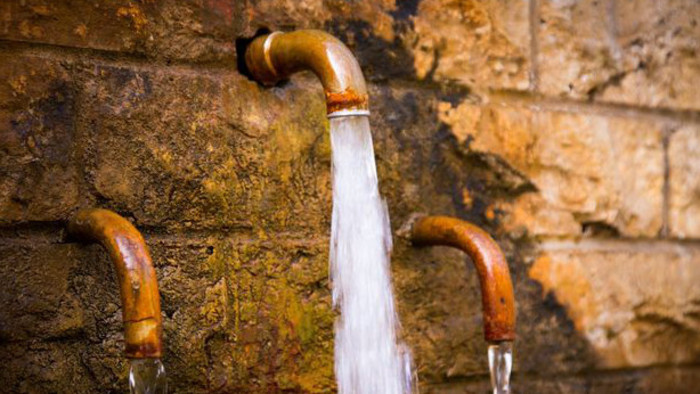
147 376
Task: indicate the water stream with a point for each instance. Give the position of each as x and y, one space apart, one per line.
147 376
500 364
368 358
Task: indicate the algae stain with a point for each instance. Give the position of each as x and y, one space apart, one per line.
214 312
135 15
217 261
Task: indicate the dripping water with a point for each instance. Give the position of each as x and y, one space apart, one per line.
368 357
147 376
500 364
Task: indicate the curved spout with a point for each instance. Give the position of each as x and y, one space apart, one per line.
496 286
137 278
275 56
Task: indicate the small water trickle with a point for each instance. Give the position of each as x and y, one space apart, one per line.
368 356
147 376
500 364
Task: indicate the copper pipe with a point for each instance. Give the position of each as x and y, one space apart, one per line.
274 57
137 278
496 286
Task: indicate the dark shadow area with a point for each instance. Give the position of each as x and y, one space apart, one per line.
241 46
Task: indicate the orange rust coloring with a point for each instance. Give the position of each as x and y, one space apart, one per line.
498 301
137 278
346 100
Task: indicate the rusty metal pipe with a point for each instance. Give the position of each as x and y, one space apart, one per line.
496 286
137 278
274 57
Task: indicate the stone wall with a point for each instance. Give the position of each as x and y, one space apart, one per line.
568 129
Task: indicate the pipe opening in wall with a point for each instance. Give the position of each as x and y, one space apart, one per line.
241 46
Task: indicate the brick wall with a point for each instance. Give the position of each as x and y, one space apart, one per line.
569 129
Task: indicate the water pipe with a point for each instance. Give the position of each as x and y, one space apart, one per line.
273 57
496 287
135 273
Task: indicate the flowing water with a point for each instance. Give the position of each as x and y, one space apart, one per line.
147 376
368 359
500 364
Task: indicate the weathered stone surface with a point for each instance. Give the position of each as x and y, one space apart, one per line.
657 381
180 150
34 303
201 30
440 305
48 367
574 54
659 54
39 178
474 43
247 315
314 14
243 315
638 305
587 169
49 334
632 52
684 183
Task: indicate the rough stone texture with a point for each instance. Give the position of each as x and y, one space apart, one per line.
684 183
137 106
578 164
252 315
202 159
197 30
315 13
45 314
659 54
239 314
574 42
441 314
631 52
656 381
474 43
39 178
638 305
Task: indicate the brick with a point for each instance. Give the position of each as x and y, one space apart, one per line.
634 303
37 302
684 182
574 47
40 179
586 168
376 16
196 31
252 314
180 150
50 367
630 52
659 55
477 44
656 380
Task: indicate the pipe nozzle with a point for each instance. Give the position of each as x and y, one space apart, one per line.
137 278
498 301
274 57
